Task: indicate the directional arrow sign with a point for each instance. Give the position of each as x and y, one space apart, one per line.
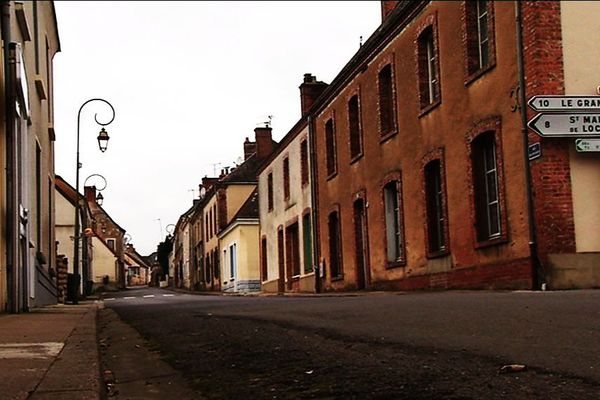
565 103
587 145
566 125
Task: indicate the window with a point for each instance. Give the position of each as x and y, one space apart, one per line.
307 243
206 225
354 126
393 222
208 268
485 182
335 245
330 147
111 244
479 26
387 114
210 222
435 203
232 260
263 259
286 178
270 191
304 161
429 89
215 218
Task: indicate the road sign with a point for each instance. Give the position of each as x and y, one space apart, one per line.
587 145
566 125
534 151
565 103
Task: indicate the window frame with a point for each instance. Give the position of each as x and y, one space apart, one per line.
428 65
492 128
393 128
394 178
472 39
436 155
286 178
330 147
355 131
270 200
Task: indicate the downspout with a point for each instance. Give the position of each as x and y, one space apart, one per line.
11 188
314 205
533 246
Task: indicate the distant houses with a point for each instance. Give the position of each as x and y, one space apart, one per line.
410 170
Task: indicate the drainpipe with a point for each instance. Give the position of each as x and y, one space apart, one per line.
12 222
314 205
533 246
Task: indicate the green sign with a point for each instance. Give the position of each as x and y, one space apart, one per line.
587 145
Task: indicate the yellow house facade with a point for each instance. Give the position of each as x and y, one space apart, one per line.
239 244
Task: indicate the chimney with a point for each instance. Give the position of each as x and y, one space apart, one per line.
264 142
207 182
249 148
387 6
310 90
90 193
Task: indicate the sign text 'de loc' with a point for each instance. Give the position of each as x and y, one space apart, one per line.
566 125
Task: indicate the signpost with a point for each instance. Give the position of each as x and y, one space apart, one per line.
587 145
564 103
566 125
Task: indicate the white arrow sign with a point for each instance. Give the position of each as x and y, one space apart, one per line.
587 145
565 103
566 125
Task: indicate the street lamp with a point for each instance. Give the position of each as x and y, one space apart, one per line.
102 144
99 197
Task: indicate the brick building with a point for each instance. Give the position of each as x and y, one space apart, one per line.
421 174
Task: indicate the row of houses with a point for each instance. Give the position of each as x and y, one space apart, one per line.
37 207
410 170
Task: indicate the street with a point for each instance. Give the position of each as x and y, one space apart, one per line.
377 345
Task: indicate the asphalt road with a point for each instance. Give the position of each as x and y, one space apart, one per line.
379 345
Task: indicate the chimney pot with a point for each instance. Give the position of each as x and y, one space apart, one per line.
264 141
310 90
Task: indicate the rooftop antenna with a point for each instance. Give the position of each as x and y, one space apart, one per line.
214 165
193 193
360 44
267 123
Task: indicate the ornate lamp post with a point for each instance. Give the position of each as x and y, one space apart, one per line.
102 143
99 197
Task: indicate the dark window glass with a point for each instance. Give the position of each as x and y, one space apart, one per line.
436 218
354 125
485 181
393 223
428 74
307 243
270 191
335 247
330 147
387 117
286 178
304 161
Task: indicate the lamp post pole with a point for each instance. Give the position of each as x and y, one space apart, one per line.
102 142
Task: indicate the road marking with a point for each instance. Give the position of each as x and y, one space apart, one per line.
168 295
128 298
30 350
110 298
147 296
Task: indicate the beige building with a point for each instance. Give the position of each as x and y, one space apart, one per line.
239 246
581 53
106 265
27 254
284 188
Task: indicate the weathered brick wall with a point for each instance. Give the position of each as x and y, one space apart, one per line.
551 173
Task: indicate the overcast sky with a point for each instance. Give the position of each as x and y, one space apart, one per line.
189 81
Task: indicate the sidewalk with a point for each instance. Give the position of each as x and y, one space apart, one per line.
50 353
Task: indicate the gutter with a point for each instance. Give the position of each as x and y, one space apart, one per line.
314 205
536 265
12 222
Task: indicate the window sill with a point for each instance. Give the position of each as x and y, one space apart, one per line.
337 278
395 264
429 107
356 158
332 175
478 74
491 242
384 138
438 254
